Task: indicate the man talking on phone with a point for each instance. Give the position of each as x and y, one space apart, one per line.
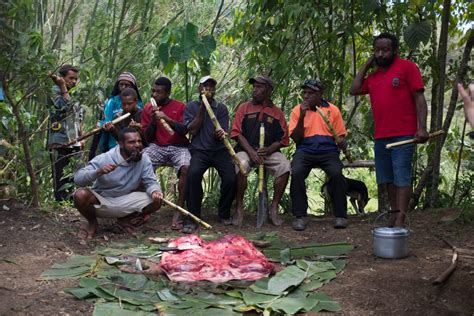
399 109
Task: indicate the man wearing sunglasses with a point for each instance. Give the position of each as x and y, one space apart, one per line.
316 148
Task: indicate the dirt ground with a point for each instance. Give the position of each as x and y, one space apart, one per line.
32 240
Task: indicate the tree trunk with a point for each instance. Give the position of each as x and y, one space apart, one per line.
442 55
23 136
463 65
89 28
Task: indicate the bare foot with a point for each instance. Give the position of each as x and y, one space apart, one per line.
275 219
177 222
125 226
87 232
238 217
139 220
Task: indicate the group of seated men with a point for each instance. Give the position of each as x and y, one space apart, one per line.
123 182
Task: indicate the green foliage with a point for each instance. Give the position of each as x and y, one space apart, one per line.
290 40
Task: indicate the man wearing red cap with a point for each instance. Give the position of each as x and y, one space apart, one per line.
246 131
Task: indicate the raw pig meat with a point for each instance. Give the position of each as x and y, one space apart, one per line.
229 258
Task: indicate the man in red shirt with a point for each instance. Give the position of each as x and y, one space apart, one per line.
399 109
165 148
246 131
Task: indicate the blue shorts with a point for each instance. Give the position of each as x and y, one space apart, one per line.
394 165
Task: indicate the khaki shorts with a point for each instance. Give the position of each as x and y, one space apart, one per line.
276 164
116 207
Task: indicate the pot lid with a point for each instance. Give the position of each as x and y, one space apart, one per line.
391 231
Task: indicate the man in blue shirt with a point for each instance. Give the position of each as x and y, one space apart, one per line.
208 150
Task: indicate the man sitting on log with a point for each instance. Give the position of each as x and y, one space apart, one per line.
115 177
246 131
316 147
208 150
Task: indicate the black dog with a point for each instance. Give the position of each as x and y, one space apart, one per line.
356 191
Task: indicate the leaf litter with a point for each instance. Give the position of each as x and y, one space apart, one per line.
291 290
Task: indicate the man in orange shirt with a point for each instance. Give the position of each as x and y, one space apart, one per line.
316 147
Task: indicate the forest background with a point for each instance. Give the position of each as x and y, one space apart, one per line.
234 40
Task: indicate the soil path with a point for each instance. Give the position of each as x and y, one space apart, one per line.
31 241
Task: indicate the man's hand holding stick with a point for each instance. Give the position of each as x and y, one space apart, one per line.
96 130
224 139
413 140
162 120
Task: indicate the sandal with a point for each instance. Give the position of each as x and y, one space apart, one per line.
190 228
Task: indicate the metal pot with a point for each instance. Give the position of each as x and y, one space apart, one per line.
390 243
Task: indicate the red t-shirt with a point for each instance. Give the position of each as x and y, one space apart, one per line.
174 110
391 97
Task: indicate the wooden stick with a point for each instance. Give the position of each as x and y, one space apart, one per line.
96 130
413 140
446 273
162 121
359 164
226 141
334 134
184 212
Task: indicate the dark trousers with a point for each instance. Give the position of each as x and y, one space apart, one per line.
60 158
330 163
200 162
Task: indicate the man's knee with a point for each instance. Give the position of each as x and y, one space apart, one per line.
337 181
183 171
298 171
83 196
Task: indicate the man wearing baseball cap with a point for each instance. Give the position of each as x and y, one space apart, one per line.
208 150
246 131
316 148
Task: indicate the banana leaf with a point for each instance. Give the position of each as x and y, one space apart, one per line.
117 309
311 251
325 303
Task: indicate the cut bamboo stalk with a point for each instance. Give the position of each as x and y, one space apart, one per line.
184 212
334 134
413 140
226 141
165 124
96 130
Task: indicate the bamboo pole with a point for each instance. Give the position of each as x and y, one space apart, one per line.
225 140
184 212
413 140
334 134
96 130
162 121
261 168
